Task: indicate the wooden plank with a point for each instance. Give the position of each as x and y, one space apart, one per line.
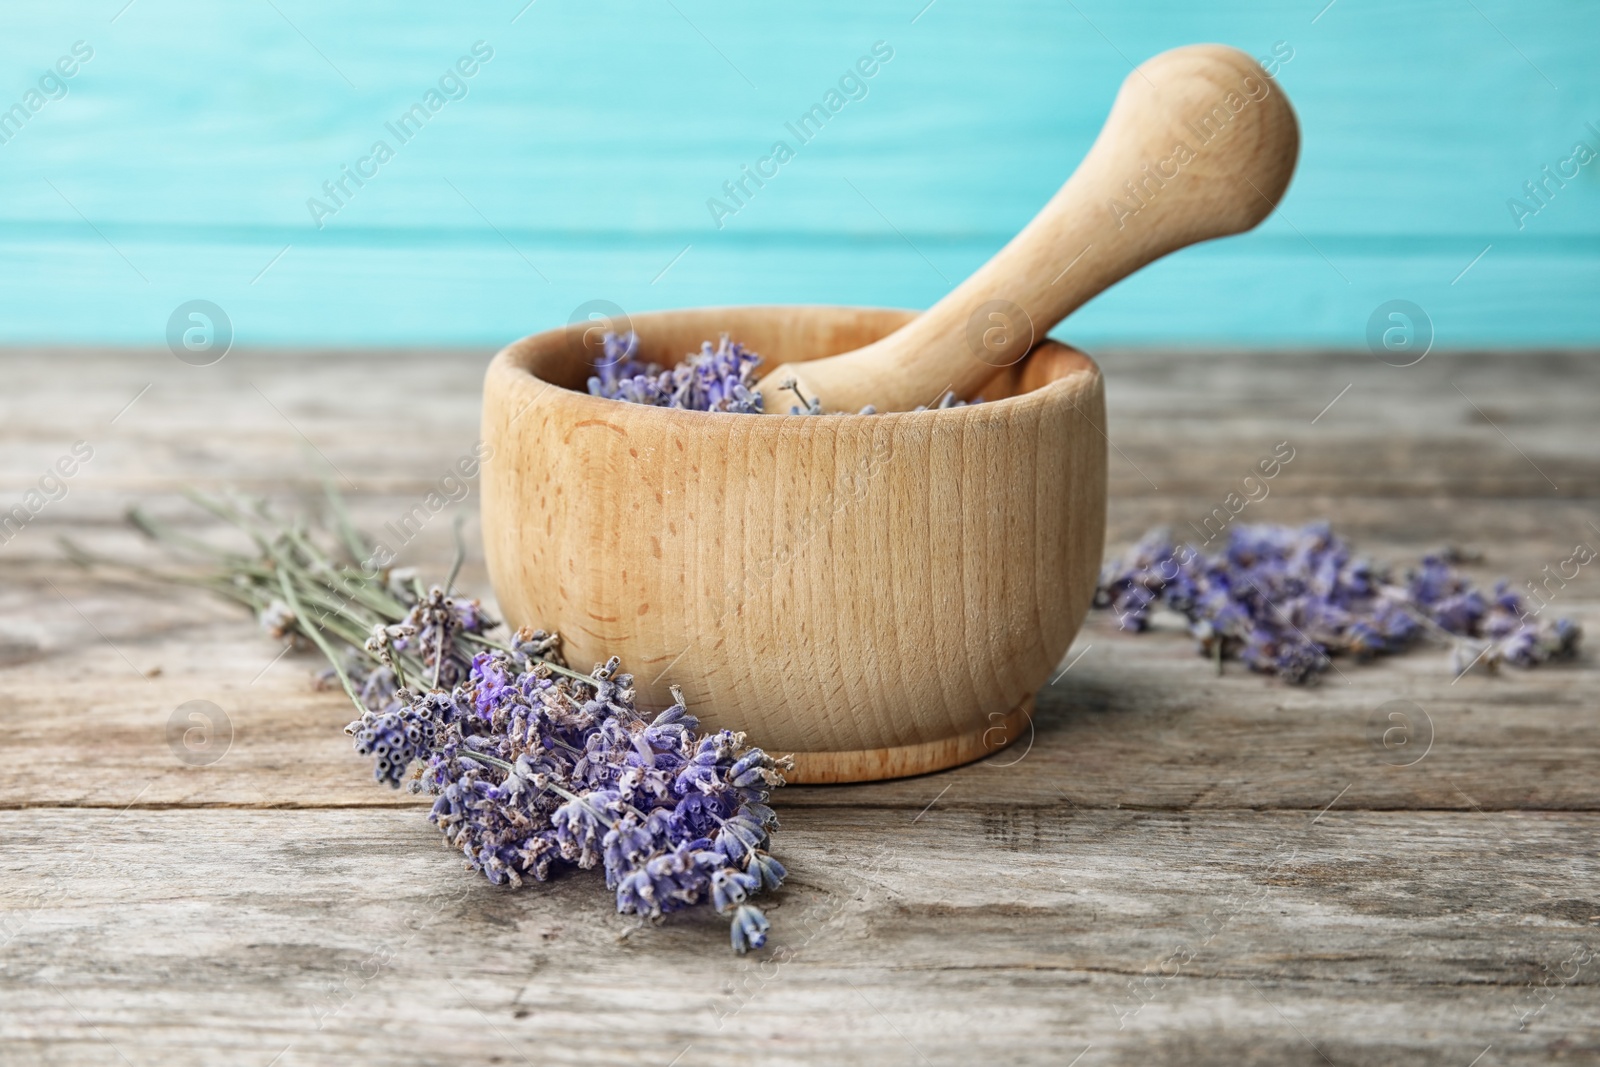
1174 868
1458 424
1432 429
1217 938
998 136
1138 722
471 234
1520 293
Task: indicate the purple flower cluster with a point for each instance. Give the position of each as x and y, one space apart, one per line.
396 737
1285 600
714 379
538 768
535 767
432 635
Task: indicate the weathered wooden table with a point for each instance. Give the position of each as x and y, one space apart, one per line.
1175 867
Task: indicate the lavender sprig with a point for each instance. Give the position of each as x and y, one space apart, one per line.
1285 600
535 772
536 767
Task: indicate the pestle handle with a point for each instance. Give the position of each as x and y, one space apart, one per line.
1200 144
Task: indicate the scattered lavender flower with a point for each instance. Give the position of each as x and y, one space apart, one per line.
1285 600
713 379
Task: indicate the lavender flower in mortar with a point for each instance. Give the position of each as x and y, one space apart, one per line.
720 378
713 379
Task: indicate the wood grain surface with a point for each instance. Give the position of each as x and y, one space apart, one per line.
1172 867
875 595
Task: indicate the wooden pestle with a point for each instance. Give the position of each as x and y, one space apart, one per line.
1200 143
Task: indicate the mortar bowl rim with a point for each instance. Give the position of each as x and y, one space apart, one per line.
1075 370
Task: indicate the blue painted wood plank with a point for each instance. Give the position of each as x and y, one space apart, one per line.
588 139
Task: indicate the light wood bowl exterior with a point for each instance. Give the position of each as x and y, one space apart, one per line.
879 595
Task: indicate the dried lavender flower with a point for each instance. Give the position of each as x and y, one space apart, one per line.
713 379
535 772
1285 600
535 767
720 378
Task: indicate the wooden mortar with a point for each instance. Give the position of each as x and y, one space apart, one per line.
879 595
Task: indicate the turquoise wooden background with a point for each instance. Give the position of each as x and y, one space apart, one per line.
578 165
